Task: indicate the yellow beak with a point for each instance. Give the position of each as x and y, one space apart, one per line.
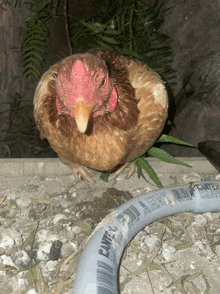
82 114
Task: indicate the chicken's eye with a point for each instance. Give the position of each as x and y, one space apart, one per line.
103 83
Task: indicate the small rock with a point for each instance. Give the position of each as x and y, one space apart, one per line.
4 259
142 256
217 250
32 291
30 188
9 237
6 242
193 177
152 242
57 217
190 288
2 251
66 250
45 235
202 246
73 194
21 259
2 273
77 229
55 250
217 177
50 265
12 212
44 251
75 245
168 251
199 222
23 202
210 216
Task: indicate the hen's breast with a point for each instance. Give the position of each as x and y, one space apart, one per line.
102 151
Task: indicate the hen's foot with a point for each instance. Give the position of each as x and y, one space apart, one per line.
121 169
83 171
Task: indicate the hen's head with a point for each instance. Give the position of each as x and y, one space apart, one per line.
84 89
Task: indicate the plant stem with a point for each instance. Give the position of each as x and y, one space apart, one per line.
67 27
130 27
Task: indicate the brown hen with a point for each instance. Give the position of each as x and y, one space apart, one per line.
100 110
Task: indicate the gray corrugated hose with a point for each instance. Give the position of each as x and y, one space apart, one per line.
97 272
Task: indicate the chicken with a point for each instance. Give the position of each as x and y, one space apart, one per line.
100 110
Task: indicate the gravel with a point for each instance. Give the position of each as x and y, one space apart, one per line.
46 221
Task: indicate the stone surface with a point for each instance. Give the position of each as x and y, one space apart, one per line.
194 29
52 232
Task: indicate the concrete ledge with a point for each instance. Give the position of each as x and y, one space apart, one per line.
26 167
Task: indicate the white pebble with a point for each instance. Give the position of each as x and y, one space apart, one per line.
43 251
77 229
210 216
217 177
6 260
217 250
58 217
9 237
2 273
32 291
24 202
45 235
21 258
7 242
200 221
152 241
192 266
193 177
201 246
168 251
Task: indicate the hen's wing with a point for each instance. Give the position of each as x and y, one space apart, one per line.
153 106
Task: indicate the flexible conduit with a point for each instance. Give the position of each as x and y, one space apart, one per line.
97 272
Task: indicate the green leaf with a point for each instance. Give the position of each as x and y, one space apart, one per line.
112 32
133 54
170 139
141 163
104 176
32 69
28 239
183 245
127 280
30 74
31 49
30 60
104 45
139 168
30 42
154 266
207 284
81 224
164 156
31 53
186 278
109 40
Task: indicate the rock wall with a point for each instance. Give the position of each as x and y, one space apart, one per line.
194 26
12 81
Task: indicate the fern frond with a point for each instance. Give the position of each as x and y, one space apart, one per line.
36 35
